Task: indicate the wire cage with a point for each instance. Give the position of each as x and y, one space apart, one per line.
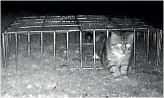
56 25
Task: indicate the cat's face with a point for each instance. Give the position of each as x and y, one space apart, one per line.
121 44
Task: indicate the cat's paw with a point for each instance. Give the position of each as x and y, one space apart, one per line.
123 70
115 73
120 78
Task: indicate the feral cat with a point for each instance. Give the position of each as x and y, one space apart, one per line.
115 51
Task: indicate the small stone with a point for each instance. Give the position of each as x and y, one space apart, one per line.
65 96
29 86
54 87
84 95
77 51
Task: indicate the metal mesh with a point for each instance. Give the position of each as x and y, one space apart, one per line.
53 23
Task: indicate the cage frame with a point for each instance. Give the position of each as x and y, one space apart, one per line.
6 36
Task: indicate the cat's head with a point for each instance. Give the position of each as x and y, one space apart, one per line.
121 42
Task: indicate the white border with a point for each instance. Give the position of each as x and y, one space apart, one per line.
79 0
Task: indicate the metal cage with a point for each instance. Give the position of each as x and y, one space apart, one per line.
81 23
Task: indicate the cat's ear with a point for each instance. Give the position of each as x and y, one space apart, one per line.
131 35
114 37
114 34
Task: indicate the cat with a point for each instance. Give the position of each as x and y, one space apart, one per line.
115 52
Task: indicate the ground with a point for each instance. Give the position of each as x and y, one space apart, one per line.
37 76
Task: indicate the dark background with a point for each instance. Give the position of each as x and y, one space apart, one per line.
148 11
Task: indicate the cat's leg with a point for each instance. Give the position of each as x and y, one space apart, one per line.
124 68
115 71
113 68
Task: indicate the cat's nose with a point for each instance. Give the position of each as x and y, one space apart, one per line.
123 48
123 51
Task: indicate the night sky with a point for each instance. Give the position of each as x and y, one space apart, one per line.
148 11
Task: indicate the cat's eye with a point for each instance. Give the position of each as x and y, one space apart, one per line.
119 45
128 45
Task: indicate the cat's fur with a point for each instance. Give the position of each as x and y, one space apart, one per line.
115 51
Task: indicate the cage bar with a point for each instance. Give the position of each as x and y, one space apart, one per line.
41 47
139 38
94 48
134 45
10 37
144 41
84 68
71 30
155 35
161 34
54 50
29 44
134 48
160 47
81 57
10 43
16 50
157 46
7 47
67 46
4 50
54 44
107 33
148 45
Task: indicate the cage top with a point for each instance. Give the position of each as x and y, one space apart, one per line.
72 22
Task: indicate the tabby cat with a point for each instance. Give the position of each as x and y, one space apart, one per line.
115 52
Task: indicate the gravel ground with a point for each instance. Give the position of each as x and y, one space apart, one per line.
37 77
